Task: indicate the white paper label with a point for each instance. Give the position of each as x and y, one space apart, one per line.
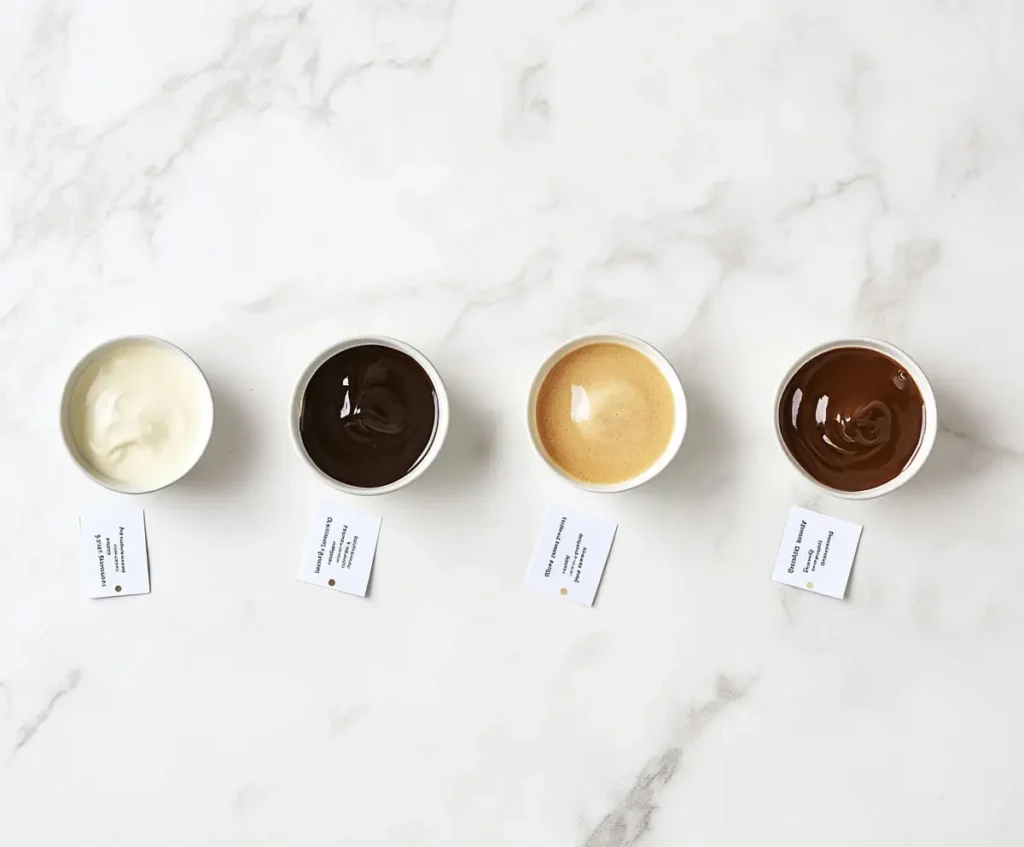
817 552
340 548
571 555
114 557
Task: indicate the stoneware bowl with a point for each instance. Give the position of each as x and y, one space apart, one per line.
931 416
65 414
670 376
440 430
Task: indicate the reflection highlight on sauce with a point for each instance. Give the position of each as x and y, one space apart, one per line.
852 418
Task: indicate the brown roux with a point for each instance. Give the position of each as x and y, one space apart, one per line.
852 418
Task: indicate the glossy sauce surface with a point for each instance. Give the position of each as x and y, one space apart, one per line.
139 413
369 415
605 413
852 418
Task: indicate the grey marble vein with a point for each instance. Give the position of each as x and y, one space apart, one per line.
533 100
354 71
840 188
83 203
583 8
536 273
423 60
631 819
912 261
273 298
341 720
28 730
16 311
981 443
229 84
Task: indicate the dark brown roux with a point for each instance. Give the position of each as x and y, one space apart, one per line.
852 418
369 415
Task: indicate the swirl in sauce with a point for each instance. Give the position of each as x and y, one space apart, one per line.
852 418
138 413
369 415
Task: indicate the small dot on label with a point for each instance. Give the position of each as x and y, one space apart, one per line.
330 582
810 585
565 591
117 588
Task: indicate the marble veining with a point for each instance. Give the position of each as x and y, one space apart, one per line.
27 731
633 816
733 181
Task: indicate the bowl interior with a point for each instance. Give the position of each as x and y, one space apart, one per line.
440 425
67 429
928 433
666 369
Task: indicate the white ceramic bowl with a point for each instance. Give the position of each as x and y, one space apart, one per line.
65 414
670 376
931 415
440 429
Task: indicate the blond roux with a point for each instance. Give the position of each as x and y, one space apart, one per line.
605 413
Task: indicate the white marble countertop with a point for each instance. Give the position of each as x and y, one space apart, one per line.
733 181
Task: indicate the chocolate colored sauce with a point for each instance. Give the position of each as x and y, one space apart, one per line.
369 415
852 418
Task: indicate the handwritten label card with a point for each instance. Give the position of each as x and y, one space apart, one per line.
115 561
817 553
571 555
339 549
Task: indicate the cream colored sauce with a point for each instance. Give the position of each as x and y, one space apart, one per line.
140 413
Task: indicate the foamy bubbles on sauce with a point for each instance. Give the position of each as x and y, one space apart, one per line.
605 413
605 410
